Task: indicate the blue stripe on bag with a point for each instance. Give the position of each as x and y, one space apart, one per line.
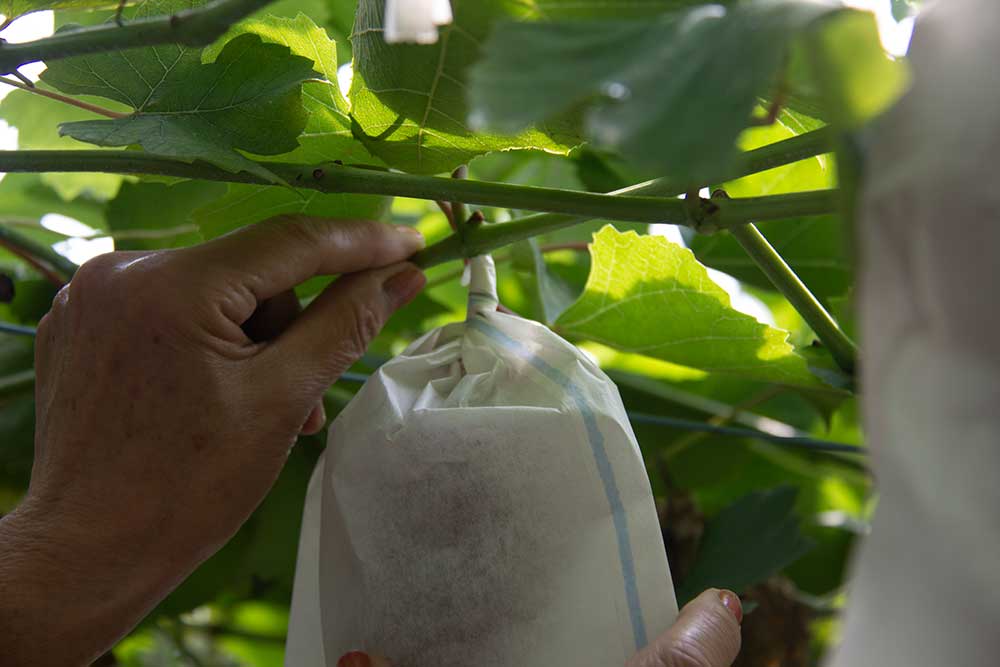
596 439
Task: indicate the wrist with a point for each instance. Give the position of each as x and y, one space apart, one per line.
67 594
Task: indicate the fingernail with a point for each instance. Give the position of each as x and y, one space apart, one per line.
403 286
354 659
732 603
412 235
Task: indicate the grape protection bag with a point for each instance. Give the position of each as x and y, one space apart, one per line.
482 502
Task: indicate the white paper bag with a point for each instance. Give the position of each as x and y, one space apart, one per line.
482 502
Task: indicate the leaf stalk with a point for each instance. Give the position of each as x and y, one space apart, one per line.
841 347
80 104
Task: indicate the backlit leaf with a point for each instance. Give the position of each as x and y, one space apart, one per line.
246 204
327 135
648 295
409 100
37 119
248 99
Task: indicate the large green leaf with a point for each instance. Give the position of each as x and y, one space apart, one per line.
167 221
543 291
37 119
648 295
248 99
855 78
409 100
28 197
132 77
665 100
746 543
327 135
340 24
246 204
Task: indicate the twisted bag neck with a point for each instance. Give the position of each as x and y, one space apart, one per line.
482 286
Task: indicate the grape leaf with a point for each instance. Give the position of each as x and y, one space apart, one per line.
27 196
245 204
650 296
340 24
36 119
131 211
746 543
665 101
249 99
855 78
327 135
133 76
902 9
548 293
409 100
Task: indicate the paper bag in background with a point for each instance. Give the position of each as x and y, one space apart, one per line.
482 502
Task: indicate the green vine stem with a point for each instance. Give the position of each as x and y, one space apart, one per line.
760 159
56 268
192 27
842 348
335 178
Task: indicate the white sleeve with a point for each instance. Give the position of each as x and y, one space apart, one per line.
926 585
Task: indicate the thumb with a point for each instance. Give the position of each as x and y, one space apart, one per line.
706 634
335 329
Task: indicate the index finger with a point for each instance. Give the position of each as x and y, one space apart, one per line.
273 256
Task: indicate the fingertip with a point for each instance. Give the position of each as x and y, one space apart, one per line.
402 286
315 421
732 603
411 236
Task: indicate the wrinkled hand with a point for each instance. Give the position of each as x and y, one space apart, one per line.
705 634
170 388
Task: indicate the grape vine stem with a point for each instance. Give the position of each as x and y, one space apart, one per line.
192 27
562 207
841 347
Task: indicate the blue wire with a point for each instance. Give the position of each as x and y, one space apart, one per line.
16 329
793 440
801 442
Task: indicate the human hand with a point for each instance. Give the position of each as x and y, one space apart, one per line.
161 424
705 634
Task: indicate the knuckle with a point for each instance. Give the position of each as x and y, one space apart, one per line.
44 325
686 654
366 324
298 227
94 273
360 234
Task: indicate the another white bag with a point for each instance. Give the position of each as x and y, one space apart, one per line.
482 503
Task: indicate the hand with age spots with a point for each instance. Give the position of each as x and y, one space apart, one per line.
170 387
706 634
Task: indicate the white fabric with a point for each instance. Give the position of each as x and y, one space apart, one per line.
482 502
415 20
926 587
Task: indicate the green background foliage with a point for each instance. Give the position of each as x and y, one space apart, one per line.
588 95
